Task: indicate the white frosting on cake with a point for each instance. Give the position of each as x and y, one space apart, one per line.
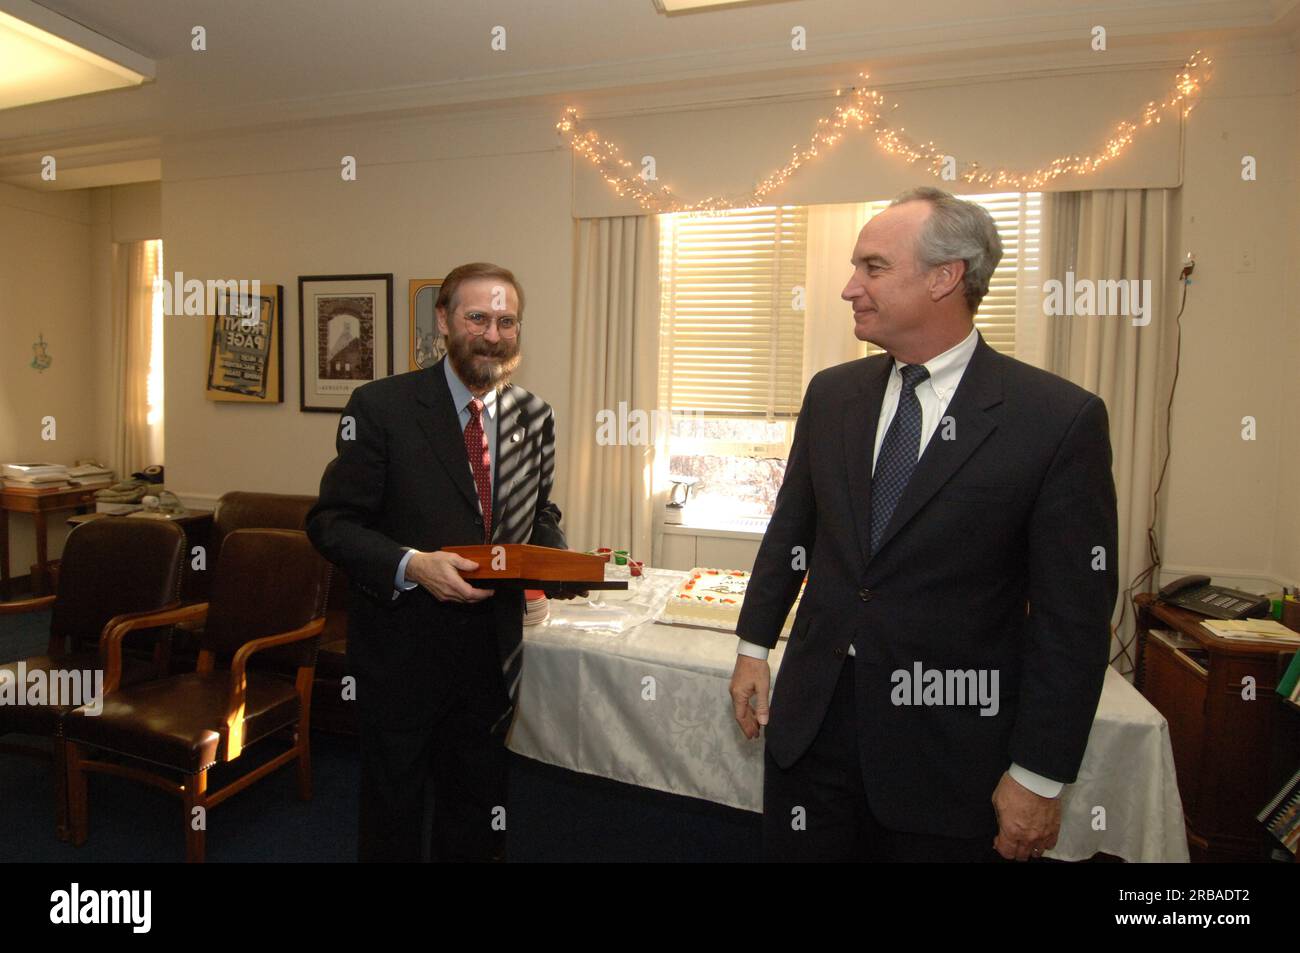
713 597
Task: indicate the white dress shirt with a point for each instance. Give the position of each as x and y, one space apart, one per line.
934 394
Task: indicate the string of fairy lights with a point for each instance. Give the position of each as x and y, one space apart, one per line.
862 108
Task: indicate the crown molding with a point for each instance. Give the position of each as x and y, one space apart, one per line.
742 76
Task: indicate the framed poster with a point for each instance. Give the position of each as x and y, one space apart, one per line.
246 347
427 343
345 333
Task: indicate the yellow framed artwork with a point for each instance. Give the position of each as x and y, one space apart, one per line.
246 347
426 345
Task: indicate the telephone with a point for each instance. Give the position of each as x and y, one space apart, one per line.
1217 602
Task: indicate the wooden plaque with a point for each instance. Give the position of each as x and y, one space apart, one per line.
523 566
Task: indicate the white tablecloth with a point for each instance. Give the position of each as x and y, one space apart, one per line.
649 706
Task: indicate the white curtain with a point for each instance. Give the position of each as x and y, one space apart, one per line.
1113 235
612 490
828 319
137 440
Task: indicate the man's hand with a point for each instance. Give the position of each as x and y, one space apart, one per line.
439 573
1027 823
750 679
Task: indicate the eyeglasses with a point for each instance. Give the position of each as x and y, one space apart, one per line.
478 323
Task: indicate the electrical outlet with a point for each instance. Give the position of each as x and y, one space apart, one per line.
1246 260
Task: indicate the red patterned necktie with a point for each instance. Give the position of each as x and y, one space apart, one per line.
476 445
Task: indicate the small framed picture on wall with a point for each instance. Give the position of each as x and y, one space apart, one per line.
427 343
345 325
246 346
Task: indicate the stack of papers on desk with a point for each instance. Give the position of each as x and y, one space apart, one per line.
1253 630
35 475
90 474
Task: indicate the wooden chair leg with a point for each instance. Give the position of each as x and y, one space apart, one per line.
78 810
303 744
302 730
196 796
60 766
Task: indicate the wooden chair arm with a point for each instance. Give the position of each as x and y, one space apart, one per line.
239 678
119 627
20 606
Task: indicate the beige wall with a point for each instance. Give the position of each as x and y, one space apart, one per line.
56 279
1231 504
274 206
45 289
1286 543
135 211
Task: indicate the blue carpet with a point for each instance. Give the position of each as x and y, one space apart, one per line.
553 814
22 636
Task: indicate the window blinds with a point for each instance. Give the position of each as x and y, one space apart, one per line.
733 311
732 314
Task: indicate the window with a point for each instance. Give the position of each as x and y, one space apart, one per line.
154 388
139 302
733 338
731 360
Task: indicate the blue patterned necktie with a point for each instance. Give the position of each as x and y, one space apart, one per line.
898 453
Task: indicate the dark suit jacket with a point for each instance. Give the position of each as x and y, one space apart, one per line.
986 564
404 480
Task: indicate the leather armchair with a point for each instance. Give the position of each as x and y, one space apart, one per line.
241 509
238 509
115 573
252 683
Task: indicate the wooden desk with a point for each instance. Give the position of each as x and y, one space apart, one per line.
1222 742
38 503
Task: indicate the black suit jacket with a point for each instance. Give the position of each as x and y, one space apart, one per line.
404 480
988 563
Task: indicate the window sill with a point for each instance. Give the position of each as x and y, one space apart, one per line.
751 527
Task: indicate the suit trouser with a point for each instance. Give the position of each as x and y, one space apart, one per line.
458 759
817 809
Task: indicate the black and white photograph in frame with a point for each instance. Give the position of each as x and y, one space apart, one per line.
345 325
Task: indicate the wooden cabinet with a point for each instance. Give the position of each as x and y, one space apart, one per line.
1221 734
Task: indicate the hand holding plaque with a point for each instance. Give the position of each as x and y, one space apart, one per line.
561 574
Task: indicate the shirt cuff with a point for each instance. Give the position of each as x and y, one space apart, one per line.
752 650
1043 787
400 582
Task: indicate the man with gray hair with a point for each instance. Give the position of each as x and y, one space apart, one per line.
956 513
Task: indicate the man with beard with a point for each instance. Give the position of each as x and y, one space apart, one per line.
450 455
